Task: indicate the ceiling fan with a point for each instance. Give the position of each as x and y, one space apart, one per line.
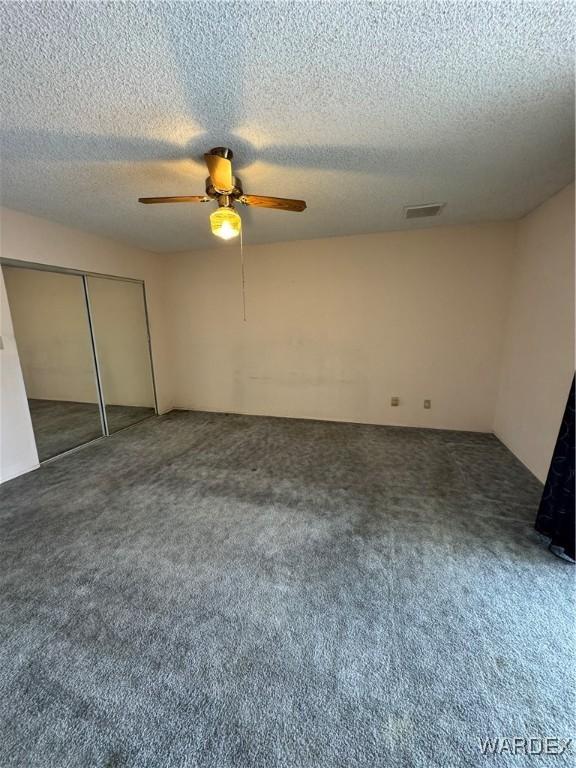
226 189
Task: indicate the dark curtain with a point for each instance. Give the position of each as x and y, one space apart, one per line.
556 513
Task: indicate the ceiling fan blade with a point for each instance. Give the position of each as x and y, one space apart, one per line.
182 199
220 170
279 203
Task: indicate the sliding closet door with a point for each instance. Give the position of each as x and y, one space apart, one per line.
52 333
120 328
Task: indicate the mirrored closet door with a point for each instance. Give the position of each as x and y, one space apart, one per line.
84 351
120 328
52 331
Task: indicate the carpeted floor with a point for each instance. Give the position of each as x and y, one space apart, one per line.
61 425
212 591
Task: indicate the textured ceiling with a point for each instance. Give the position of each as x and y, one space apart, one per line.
358 107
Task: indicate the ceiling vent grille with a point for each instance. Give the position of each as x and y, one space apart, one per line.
423 211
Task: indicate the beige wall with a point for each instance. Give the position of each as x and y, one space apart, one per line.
336 327
539 347
478 319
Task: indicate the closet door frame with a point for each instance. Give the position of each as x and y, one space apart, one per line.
103 417
85 275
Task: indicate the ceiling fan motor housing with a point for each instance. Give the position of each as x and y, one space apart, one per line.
216 194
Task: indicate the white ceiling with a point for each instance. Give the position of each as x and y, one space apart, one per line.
358 107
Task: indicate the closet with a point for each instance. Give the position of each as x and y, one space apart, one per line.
84 349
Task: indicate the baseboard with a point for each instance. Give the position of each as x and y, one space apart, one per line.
334 420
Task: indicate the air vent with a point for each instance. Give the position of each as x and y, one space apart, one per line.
422 211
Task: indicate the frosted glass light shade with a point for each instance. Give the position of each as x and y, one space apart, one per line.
225 223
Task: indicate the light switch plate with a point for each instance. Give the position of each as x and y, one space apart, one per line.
427 404
394 401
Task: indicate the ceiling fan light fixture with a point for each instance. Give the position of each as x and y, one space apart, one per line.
226 189
225 223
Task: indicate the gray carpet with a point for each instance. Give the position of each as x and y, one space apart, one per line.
218 591
61 425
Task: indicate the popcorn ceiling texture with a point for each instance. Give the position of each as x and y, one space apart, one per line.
360 108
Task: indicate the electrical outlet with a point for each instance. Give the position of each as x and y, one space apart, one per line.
427 404
394 401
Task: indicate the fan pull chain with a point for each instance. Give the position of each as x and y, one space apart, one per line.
243 277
